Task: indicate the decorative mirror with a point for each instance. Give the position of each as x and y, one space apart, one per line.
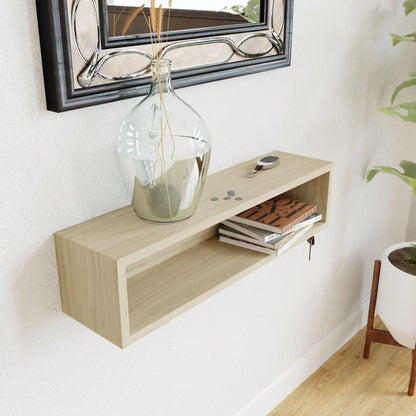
97 51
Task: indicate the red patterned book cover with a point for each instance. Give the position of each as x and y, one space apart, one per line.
278 214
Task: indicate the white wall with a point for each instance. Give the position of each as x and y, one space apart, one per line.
271 328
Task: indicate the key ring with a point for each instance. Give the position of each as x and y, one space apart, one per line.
253 172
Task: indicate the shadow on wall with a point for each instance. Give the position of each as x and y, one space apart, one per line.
352 291
36 291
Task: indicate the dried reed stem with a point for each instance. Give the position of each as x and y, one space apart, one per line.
115 21
129 21
155 25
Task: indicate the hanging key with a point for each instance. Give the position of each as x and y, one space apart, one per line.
311 242
266 162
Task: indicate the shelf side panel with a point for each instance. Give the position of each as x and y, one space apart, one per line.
89 289
315 191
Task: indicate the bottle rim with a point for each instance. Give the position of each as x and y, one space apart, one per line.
161 62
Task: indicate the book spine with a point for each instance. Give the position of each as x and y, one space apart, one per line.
256 224
305 223
294 239
290 227
271 237
246 231
247 245
248 239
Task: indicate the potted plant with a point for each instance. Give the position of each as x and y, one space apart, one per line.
396 298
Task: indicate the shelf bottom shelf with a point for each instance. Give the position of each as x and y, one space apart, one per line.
163 292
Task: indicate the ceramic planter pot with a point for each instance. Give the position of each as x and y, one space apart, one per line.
396 299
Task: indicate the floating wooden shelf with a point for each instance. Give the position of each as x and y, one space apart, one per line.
124 277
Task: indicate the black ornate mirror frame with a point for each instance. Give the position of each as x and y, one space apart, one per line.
62 94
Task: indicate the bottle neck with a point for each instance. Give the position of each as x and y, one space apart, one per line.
161 77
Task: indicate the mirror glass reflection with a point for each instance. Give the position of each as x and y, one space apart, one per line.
123 19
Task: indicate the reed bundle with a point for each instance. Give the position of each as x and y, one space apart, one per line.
155 22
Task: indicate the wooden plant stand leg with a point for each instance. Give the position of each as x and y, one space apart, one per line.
412 381
375 335
372 308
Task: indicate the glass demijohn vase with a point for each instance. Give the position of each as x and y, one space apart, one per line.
163 149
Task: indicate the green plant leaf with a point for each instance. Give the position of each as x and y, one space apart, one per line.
410 37
405 111
371 173
252 11
409 6
408 175
404 84
409 168
237 9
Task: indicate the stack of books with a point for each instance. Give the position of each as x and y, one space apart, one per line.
270 227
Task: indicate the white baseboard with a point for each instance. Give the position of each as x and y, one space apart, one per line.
272 395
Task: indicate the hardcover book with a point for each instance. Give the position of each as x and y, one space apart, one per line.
296 235
274 244
278 215
267 236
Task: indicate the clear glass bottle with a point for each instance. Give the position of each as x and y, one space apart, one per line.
163 149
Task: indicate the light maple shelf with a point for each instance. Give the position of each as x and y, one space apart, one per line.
124 277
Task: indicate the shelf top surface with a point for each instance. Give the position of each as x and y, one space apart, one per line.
120 233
